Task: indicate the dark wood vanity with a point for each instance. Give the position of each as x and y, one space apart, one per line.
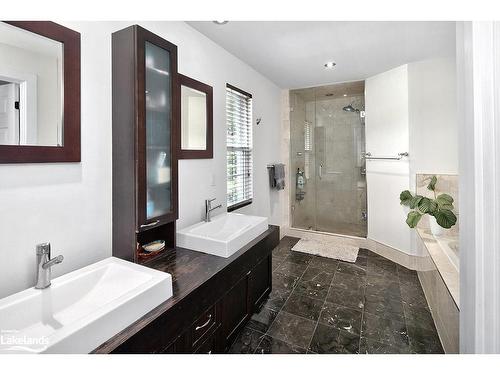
213 298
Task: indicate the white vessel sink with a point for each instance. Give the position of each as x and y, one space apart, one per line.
81 309
224 235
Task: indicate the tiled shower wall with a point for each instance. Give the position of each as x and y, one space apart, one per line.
335 201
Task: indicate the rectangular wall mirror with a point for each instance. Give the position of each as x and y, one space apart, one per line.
39 92
196 134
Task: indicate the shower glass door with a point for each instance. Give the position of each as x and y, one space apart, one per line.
327 144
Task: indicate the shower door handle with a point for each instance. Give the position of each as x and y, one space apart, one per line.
320 171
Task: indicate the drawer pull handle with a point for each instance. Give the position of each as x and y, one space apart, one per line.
150 224
204 324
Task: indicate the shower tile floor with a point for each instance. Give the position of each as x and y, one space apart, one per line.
321 305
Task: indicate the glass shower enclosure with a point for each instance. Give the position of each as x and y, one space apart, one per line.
328 172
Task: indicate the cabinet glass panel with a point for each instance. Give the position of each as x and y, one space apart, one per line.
158 131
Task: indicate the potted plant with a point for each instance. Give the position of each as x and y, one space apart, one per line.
439 209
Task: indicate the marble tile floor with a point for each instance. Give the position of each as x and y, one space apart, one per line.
321 305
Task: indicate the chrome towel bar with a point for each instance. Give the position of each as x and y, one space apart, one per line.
368 156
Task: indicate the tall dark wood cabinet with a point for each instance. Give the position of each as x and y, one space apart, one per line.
145 122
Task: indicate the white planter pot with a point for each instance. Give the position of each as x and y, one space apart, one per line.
436 229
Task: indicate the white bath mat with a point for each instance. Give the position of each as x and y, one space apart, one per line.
327 249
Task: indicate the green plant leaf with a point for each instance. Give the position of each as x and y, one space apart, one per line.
444 202
445 218
405 197
413 218
427 205
445 197
432 183
446 207
415 201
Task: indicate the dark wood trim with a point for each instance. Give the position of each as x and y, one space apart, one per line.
239 205
208 153
70 150
228 85
123 126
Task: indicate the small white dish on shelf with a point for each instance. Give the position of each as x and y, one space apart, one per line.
154 247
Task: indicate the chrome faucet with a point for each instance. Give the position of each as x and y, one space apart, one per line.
44 265
209 208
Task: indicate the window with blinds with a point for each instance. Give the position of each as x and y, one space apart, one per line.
239 147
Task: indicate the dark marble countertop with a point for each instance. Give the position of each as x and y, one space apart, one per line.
189 270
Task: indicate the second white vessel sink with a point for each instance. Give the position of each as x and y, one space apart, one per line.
224 235
81 309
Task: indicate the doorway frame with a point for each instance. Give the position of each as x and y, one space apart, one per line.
28 127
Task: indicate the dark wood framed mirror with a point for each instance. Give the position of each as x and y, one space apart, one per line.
196 125
39 92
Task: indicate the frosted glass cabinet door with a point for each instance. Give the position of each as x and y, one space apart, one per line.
158 131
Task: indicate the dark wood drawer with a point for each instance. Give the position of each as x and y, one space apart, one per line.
202 325
260 283
234 310
153 338
209 346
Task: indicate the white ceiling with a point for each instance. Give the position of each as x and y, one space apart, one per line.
292 54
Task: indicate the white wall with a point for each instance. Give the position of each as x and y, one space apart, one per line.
433 128
70 204
202 179
411 108
432 97
386 104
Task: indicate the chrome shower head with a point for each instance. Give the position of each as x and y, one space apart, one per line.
350 108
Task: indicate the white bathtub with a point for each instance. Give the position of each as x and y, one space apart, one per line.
224 235
450 248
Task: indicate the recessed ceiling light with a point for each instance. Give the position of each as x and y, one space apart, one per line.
220 22
345 94
330 65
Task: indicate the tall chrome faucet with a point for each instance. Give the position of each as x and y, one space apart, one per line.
209 208
44 265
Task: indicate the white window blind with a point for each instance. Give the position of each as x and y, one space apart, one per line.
239 147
